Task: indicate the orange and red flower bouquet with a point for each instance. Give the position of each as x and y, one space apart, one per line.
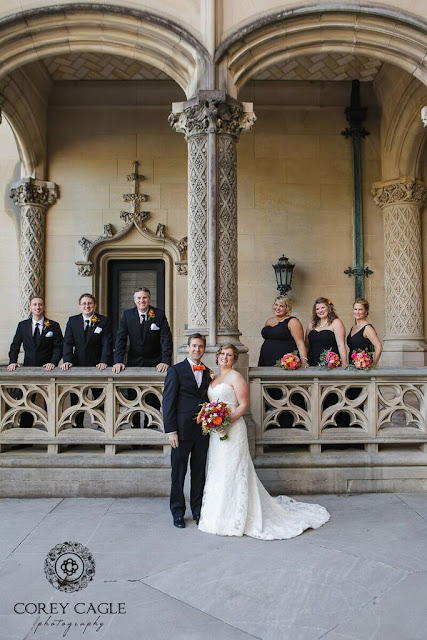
214 416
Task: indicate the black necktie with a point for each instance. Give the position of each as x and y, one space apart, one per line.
87 322
36 334
142 324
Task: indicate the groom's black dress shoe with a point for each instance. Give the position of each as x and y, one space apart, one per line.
196 519
179 522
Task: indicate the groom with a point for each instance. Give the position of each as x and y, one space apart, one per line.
186 387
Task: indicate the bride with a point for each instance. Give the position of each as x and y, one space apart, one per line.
235 502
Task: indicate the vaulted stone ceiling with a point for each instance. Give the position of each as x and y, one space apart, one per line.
321 67
324 66
96 66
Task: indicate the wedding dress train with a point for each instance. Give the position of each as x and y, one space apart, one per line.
235 503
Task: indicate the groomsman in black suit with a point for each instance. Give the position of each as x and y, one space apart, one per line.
42 342
40 337
88 342
150 341
186 388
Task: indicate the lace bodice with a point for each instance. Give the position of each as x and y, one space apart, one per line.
223 392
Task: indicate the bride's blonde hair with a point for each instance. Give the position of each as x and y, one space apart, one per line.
228 345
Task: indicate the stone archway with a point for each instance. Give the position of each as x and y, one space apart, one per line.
140 35
284 35
33 35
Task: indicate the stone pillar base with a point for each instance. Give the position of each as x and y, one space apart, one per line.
404 353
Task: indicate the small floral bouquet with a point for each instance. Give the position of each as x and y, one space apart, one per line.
289 361
329 359
214 416
361 360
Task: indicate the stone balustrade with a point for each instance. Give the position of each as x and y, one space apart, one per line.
310 431
319 408
48 395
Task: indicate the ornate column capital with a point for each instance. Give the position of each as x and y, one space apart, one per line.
212 112
30 191
403 191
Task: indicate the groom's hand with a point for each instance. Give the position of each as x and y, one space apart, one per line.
173 440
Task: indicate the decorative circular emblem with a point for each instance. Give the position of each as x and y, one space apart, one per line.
69 566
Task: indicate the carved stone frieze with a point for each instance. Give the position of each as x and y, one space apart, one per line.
401 191
84 268
131 217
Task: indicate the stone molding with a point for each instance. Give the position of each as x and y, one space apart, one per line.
132 220
33 197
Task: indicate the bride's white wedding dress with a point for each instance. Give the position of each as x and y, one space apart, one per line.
235 502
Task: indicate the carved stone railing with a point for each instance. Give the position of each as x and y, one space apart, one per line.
48 396
314 410
319 410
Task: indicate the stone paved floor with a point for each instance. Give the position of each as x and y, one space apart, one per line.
363 576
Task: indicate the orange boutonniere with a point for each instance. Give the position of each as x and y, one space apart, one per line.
151 314
46 324
95 319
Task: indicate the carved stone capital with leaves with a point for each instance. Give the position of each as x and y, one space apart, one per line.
399 192
34 192
217 114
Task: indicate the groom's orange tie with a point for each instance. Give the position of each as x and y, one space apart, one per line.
199 367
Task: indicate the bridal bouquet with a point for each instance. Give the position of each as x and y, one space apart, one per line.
214 416
361 360
329 359
289 361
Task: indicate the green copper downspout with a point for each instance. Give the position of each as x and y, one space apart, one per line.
355 115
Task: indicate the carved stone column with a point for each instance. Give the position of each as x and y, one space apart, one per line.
34 197
401 202
212 123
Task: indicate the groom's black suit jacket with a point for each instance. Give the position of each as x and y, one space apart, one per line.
182 399
49 348
90 350
147 348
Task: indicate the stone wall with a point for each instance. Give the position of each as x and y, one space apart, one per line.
295 197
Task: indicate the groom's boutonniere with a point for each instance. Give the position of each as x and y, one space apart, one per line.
46 324
151 314
95 319
211 374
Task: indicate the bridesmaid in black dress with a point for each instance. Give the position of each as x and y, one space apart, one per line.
362 336
282 334
325 331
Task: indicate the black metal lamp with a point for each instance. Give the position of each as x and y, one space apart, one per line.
284 271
